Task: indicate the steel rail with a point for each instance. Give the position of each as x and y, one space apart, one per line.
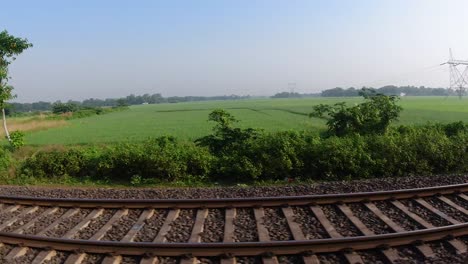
236 202
239 248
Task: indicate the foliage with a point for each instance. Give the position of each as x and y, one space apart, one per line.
372 116
122 102
61 108
17 139
10 46
5 159
162 158
225 137
55 163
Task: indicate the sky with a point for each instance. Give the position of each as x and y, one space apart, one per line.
111 48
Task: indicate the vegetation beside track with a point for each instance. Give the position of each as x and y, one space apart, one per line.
425 150
359 143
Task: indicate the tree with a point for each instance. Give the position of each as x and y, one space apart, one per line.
225 137
371 117
10 46
122 102
61 108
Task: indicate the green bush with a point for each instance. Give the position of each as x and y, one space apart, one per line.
162 158
279 155
5 158
455 128
56 163
337 158
17 139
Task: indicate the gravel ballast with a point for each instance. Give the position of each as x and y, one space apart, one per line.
235 192
214 226
245 226
310 225
340 222
397 216
151 228
181 228
370 220
44 222
425 214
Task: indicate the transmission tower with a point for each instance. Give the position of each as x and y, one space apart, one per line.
458 75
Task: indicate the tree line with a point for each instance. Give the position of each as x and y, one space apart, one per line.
112 102
391 90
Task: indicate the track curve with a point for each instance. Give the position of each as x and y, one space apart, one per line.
344 224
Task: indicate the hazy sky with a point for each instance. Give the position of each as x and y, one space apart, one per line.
102 49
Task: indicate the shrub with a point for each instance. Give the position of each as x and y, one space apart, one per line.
455 128
162 158
5 158
279 155
17 139
341 158
55 163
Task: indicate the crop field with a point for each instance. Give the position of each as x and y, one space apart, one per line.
189 120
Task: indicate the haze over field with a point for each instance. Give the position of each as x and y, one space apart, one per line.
103 49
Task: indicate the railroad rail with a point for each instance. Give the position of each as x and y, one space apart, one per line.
309 228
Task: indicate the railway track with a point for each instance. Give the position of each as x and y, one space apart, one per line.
387 226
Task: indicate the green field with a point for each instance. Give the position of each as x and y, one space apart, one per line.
189 120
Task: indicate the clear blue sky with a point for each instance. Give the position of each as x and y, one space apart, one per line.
102 49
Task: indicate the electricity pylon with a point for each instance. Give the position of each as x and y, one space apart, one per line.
458 79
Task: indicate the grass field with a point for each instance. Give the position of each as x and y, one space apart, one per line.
189 120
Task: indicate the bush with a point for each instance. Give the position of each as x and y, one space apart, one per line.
279 155
56 163
340 158
17 139
5 158
162 158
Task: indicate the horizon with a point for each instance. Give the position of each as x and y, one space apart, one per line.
110 49
247 96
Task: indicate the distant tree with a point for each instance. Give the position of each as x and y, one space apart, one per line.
157 99
122 102
10 46
60 108
286 95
